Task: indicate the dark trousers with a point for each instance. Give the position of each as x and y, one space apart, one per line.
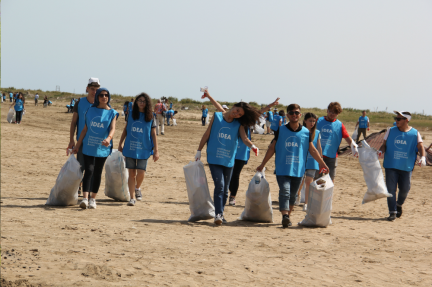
235 178
18 116
203 120
93 169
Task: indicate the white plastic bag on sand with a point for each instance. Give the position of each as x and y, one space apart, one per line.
303 192
122 113
116 177
65 190
354 135
174 122
200 202
258 130
319 203
372 173
11 116
207 120
258 205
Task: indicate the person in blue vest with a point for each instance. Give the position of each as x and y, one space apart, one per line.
19 107
78 118
269 120
363 125
140 142
125 109
400 147
10 96
204 114
170 115
332 132
291 143
4 97
96 141
278 120
222 136
394 124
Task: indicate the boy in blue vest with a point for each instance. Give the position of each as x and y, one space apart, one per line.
78 119
291 145
363 124
400 153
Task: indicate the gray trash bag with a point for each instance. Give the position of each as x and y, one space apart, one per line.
303 191
258 205
65 190
319 203
355 134
372 174
200 202
11 116
116 177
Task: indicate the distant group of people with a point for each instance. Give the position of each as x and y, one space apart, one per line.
71 105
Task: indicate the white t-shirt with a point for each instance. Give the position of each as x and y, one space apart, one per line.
36 96
419 138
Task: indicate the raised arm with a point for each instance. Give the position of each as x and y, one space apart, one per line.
213 101
269 106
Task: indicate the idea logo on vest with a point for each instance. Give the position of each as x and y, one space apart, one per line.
292 144
96 126
137 129
400 142
224 135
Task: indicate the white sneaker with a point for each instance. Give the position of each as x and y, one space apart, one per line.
92 203
305 207
138 194
84 203
131 202
218 219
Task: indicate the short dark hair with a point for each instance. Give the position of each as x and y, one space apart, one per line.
293 107
363 111
282 113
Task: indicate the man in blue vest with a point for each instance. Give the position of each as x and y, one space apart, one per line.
269 120
400 154
363 124
78 118
291 145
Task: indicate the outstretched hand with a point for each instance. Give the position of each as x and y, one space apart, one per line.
275 103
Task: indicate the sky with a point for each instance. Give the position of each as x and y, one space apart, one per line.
365 54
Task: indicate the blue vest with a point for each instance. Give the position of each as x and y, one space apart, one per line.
130 107
18 105
98 123
169 114
291 152
205 113
222 144
243 151
311 163
10 95
270 116
138 143
83 106
401 149
363 121
331 136
275 122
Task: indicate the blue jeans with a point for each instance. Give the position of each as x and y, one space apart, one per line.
221 176
288 188
203 120
168 118
395 178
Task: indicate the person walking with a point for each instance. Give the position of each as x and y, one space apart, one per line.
36 99
159 110
291 143
10 96
19 107
4 97
140 142
96 141
269 120
278 119
363 125
400 147
204 114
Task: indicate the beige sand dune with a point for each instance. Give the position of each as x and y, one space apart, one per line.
152 243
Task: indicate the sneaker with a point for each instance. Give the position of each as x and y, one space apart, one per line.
305 207
224 220
131 202
231 201
399 211
92 203
392 217
138 194
162 134
286 221
84 203
218 219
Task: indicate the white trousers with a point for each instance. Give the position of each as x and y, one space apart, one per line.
159 120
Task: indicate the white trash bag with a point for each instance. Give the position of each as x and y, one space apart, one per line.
116 177
65 190
258 130
319 203
303 191
372 174
174 122
354 135
123 113
207 121
200 202
258 205
11 118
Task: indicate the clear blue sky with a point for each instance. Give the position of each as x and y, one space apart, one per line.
364 54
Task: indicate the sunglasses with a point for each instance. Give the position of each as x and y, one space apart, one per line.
293 113
103 95
399 119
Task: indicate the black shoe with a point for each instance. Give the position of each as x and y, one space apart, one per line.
224 220
399 211
286 221
392 217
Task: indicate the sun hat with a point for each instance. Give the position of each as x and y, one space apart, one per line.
94 82
404 114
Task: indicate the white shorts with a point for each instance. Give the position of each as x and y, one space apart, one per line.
268 124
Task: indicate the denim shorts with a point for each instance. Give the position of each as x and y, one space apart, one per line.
132 163
311 172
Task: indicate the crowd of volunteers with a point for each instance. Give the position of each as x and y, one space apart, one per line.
305 146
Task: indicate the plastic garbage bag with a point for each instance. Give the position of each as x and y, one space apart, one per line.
65 190
200 202
207 121
319 203
303 192
11 118
174 122
258 130
122 114
258 205
354 135
372 174
116 177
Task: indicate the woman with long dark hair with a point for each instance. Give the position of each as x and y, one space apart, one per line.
19 107
140 139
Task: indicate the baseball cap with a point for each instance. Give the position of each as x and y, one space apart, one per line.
225 107
94 82
404 114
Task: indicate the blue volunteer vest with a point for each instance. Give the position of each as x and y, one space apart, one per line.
10 95
311 163
275 122
205 113
222 144
83 106
98 123
270 116
363 121
331 136
138 143
169 114
18 105
243 151
291 152
401 149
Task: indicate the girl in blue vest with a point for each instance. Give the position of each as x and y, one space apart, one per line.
291 143
204 114
19 107
140 139
96 139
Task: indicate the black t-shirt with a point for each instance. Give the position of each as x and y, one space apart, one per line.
276 133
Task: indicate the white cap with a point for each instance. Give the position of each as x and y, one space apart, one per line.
93 82
225 107
404 114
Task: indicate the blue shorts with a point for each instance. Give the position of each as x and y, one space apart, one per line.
132 163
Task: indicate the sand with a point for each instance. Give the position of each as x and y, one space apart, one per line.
152 243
